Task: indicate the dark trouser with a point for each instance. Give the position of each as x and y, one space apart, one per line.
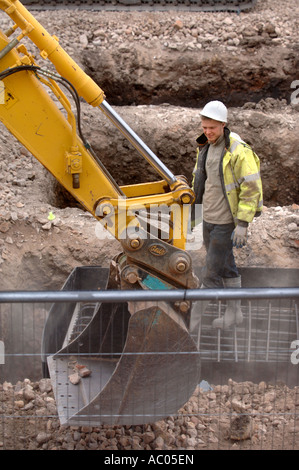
220 261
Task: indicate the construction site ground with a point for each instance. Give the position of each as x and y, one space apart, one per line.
158 69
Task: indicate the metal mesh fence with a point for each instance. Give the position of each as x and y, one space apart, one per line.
246 395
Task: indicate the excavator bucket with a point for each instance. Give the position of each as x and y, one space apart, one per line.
138 368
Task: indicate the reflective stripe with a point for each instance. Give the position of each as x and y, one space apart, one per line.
236 136
231 186
260 204
233 146
253 177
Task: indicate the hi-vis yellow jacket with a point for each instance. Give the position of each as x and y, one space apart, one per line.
239 173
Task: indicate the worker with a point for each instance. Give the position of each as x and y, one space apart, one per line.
227 182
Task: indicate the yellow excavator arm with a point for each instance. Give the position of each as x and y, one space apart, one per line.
30 113
37 105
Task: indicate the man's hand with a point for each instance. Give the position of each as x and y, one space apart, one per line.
239 236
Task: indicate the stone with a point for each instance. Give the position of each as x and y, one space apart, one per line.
4 227
28 393
47 226
84 372
241 428
45 385
292 226
238 405
74 378
83 39
19 403
148 437
178 25
42 437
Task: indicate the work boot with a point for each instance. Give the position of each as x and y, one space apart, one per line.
233 313
198 309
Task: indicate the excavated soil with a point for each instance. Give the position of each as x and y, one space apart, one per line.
157 70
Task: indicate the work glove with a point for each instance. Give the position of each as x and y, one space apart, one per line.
239 236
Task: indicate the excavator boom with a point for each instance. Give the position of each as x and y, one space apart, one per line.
140 381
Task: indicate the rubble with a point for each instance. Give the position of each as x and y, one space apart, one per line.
229 416
269 22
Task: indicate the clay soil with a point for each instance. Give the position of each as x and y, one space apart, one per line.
173 62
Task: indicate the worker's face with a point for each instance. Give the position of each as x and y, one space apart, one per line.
212 129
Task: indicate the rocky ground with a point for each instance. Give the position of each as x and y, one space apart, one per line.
160 67
230 416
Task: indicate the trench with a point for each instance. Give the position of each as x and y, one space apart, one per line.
152 76
156 78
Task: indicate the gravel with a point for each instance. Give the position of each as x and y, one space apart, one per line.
229 416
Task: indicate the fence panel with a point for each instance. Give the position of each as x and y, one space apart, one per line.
247 395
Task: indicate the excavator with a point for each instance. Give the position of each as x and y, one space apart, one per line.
142 364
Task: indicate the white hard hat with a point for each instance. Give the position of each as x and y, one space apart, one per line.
215 110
